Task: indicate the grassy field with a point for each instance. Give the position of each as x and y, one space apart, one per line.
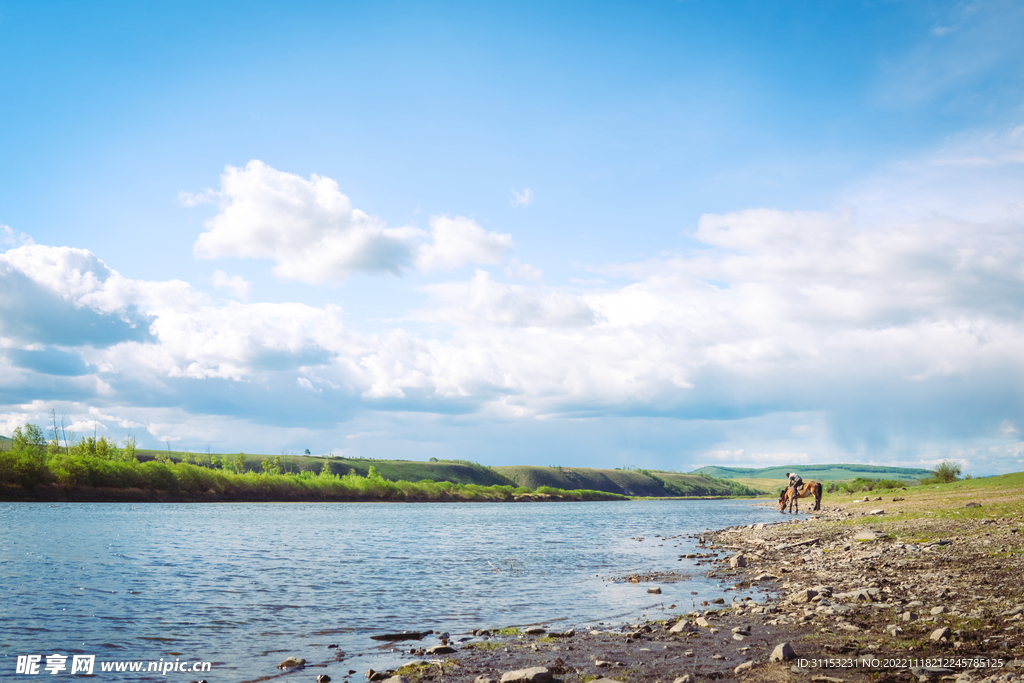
768 486
829 472
1001 496
643 483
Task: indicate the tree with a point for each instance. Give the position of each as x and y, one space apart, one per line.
129 446
239 463
947 471
30 440
307 451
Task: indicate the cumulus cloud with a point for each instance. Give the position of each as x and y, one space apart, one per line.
483 301
458 241
847 333
307 226
64 296
235 284
313 234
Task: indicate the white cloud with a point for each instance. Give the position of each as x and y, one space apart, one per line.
458 241
307 385
307 226
314 235
483 302
524 198
523 271
8 236
236 284
894 331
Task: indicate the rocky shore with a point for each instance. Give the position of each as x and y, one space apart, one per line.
856 592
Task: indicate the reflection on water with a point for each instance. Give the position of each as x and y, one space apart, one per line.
244 585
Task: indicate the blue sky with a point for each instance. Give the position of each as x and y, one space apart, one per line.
665 234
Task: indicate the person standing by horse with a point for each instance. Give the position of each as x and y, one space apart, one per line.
795 482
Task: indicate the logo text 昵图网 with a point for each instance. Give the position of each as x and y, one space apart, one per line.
57 663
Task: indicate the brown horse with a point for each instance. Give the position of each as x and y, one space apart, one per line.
808 489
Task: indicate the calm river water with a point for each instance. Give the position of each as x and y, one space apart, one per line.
245 585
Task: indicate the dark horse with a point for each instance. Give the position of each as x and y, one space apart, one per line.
808 489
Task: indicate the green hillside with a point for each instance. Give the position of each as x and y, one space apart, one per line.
626 482
455 471
641 483
828 472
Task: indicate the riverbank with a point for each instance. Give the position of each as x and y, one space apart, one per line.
916 586
411 493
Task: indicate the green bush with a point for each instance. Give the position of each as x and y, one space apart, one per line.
947 471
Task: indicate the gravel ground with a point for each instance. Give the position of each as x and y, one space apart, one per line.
872 590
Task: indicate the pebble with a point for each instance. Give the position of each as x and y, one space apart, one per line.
535 674
782 652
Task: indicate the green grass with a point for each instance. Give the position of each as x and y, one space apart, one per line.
636 483
486 645
508 631
35 470
455 471
817 472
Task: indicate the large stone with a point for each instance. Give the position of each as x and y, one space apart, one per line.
806 595
396 679
973 505
535 674
868 536
685 678
656 591
485 679
440 650
683 627
908 616
702 622
292 663
738 560
718 601
783 652
535 631
940 633
877 512
939 610
744 667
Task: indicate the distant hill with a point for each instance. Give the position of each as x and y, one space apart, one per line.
626 482
5 443
827 472
455 471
